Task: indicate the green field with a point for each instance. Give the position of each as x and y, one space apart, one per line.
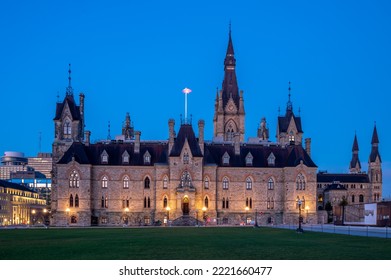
186 244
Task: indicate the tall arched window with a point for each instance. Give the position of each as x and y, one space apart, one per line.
300 182
206 202
104 182
165 182
225 183
249 183
126 182
106 202
206 183
165 202
102 202
186 179
149 202
147 183
74 179
270 184
223 202
71 201
76 201
67 128
361 198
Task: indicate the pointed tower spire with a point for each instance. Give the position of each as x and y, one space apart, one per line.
375 138
355 165
69 89
289 106
375 146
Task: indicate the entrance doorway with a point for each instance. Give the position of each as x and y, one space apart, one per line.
185 206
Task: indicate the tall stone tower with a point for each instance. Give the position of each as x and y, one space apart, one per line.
68 128
374 168
355 165
229 113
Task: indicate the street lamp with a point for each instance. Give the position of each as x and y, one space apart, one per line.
299 229
33 212
246 213
67 210
306 216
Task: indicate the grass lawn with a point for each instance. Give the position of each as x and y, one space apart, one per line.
186 244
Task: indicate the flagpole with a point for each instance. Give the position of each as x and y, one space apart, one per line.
186 91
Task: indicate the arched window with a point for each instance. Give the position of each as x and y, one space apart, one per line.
126 182
147 183
106 202
147 158
165 182
186 158
102 205
270 184
76 201
226 158
353 198
206 183
104 182
206 202
149 202
361 198
186 179
145 202
165 202
249 183
74 179
225 183
67 128
250 203
300 182
223 202
71 201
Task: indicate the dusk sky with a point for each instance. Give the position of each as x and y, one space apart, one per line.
137 56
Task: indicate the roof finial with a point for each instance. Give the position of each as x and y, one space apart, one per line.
69 87
108 132
230 28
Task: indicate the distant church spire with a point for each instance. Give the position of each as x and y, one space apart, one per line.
375 146
69 89
355 165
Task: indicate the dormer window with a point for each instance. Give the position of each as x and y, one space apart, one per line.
125 157
104 157
291 137
226 159
271 160
147 158
249 159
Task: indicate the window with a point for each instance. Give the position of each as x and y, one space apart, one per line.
268 203
126 182
165 202
67 128
271 160
320 198
125 157
74 179
186 158
147 158
102 205
206 202
76 201
225 183
249 183
249 203
104 157
147 202
300 182
206 183
186 179
147 183
106 202
361 198
71 201
165 182
291 136
73 220
353 198
225 203
226 159
270 184
249 159
104 182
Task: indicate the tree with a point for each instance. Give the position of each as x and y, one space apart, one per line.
329 208
343 203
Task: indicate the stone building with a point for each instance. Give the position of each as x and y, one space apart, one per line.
185 179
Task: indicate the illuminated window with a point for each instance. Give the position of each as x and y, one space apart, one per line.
104 182
165 202
225 183
74 179
126 182
291 136
249 183
186 179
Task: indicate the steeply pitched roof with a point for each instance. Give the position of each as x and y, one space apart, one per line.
375 138
186 132
283 122
230 84
74 109
343 178
355 144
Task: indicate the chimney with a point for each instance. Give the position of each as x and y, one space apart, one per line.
137 142
171 134
308 146
237 144
87 137
201 125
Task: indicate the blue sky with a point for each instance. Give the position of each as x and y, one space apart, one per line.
137 56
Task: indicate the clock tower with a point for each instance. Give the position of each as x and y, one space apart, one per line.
229 114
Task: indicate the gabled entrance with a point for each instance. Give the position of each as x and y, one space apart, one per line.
185 205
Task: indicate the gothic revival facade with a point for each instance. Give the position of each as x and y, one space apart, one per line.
185 179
